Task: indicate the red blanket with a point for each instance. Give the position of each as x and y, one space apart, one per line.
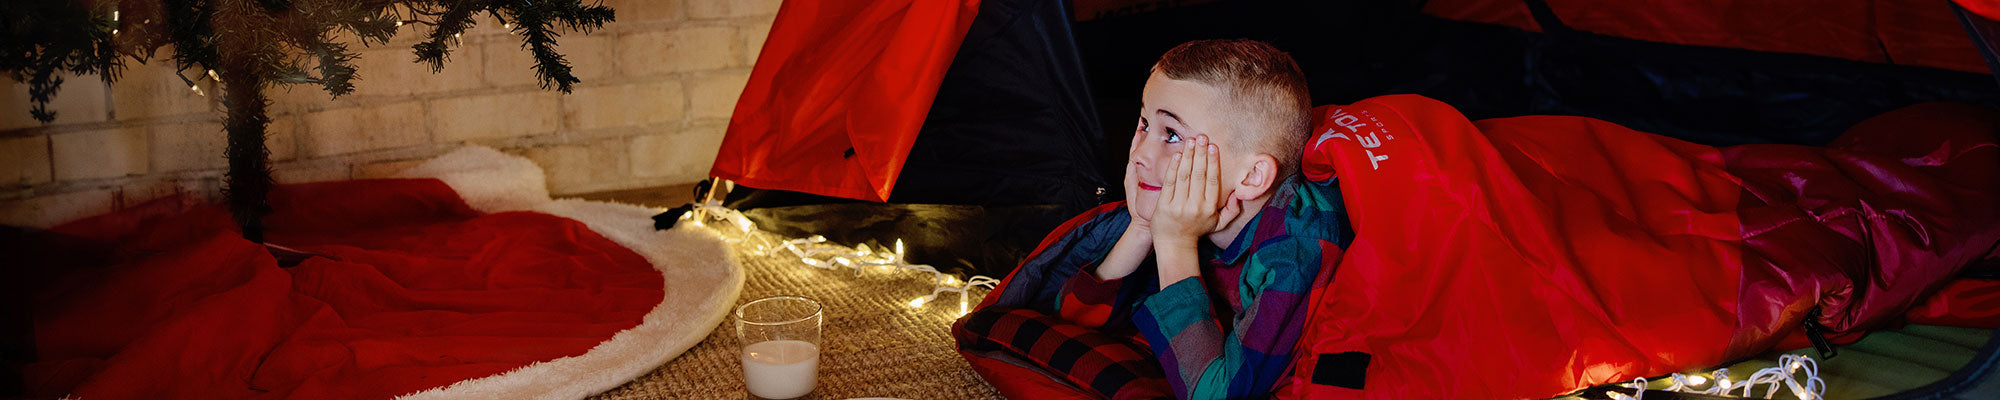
1529 257
408 289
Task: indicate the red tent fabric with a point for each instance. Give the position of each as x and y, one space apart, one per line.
1989 9
838 93
411 290
1906 32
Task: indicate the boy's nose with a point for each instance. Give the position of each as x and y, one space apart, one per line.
1145 154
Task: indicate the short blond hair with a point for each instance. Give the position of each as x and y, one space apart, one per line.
1264 82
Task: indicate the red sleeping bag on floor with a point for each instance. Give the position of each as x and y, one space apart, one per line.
409 290
1530 257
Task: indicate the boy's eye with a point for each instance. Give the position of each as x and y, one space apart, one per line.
1172 136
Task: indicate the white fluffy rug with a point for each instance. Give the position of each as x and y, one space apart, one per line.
703 278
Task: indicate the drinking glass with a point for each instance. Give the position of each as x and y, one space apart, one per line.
781 342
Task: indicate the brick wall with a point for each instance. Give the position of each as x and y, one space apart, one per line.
658 87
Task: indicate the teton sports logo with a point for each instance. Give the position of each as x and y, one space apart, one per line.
1369 140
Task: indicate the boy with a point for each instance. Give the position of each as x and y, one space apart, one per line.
1208 261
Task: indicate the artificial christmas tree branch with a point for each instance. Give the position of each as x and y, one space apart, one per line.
245 45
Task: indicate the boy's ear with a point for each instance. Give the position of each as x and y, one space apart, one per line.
1259 179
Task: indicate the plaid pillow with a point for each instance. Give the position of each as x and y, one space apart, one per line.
1086 357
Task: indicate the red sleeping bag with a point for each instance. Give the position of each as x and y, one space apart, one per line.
1530 257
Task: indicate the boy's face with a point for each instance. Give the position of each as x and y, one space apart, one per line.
1172 112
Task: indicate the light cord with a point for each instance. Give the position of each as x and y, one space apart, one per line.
1795 373
815 251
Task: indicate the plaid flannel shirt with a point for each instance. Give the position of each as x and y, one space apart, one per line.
1229 334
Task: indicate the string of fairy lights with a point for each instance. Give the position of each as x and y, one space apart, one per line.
1795 373
817 252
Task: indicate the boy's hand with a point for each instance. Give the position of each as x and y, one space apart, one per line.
1190 207
1191 204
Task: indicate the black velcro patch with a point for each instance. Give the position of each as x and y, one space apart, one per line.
1348 370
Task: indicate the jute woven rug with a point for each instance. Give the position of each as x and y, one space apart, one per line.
875 344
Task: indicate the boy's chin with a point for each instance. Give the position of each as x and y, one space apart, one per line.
1141 203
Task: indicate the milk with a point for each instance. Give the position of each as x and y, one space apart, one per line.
780 369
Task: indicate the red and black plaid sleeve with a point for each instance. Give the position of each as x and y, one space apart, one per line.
1092 302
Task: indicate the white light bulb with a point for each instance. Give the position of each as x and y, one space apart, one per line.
917 302
1696 380
964 307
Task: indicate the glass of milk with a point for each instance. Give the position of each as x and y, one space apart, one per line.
780 337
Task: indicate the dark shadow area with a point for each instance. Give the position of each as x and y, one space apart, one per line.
36 260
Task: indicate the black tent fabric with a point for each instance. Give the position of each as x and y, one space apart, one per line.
1014 122
1352 50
